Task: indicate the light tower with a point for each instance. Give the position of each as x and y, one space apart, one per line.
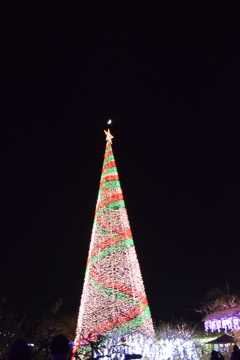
113 297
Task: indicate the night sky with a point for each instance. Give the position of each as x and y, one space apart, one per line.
167 74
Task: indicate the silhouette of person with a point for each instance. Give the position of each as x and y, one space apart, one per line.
19 351
236 353
59 347
214 355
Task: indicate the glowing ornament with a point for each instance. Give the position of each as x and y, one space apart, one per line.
113 297
109 121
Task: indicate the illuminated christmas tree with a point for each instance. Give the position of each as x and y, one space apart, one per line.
113 297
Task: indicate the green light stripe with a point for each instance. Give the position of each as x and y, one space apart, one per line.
110 171
117 205
104 232
116 293
111 184
114 205
109 158
135 323
83 350
125 244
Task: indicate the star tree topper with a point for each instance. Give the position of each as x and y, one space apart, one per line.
109 136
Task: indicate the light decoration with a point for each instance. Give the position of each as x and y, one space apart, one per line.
226 324
113 296
178 343
223 320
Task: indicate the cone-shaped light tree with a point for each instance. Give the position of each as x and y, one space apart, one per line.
113 297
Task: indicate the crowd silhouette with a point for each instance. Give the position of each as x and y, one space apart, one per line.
59 349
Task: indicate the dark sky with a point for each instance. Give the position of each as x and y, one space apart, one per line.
167 74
